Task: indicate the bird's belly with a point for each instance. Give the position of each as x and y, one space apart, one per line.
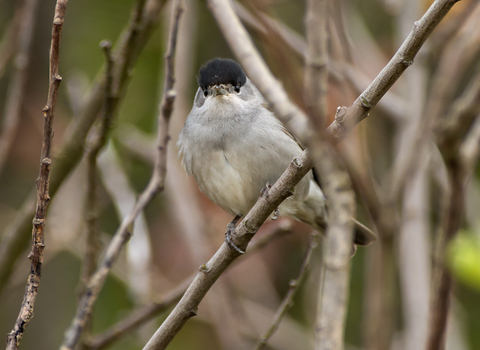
228 185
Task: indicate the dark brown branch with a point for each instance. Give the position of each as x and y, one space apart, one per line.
16 90
132 41
155 185
43 196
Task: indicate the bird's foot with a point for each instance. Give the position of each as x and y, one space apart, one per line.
230 231
264 191
276 214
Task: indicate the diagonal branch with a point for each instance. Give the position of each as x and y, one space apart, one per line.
43 196
155 185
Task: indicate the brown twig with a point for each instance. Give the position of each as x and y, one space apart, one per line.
287 301
16 90
146 313
132 41
94 147
43 197
155 185
91 210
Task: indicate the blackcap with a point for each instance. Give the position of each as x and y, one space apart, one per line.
233 145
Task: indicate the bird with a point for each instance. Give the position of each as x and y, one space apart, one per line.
233 145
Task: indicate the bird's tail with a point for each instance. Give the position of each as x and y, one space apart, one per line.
363 235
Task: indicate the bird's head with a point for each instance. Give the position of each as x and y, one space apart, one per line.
222 80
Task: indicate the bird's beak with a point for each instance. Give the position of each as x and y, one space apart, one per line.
220 90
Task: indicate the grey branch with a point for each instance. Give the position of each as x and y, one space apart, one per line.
43 196
296 120
155 185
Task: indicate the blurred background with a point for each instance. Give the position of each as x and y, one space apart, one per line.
181 229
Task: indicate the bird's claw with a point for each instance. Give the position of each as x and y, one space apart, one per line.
264 191
276 214
229 233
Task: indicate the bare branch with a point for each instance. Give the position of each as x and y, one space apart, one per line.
287 301
155 185
43 196
16 90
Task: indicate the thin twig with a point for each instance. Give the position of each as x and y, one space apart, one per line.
91 210
18 83
43 197
131 43
155 185
287 301
147 312
97 142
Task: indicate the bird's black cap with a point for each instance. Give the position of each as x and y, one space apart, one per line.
221 71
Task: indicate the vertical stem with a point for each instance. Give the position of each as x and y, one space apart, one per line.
43 196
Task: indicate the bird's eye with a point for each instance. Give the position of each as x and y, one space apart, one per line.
205 92
237 89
